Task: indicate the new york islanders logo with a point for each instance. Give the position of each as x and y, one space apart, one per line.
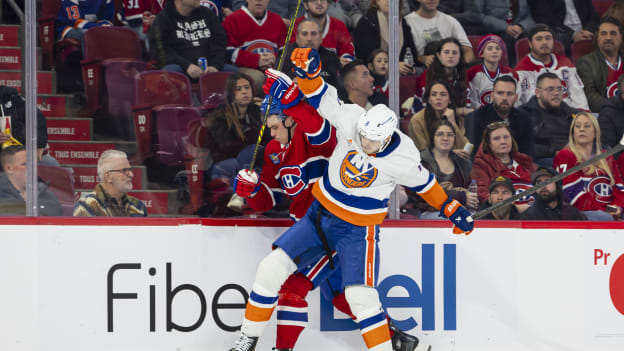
601 188
355 172
291 179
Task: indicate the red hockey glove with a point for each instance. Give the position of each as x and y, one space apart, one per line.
246 183
281 87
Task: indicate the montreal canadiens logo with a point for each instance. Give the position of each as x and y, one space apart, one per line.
260 47
355 172
601 188
291 179
612 90
486 98
520 188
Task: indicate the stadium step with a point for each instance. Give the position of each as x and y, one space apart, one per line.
58 105
158 202
86 152
46 82
9 35
11 57
69 129
85 177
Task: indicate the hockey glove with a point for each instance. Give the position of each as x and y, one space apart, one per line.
307 66
281 87
459 216
246 183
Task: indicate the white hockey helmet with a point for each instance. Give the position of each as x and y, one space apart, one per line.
378 124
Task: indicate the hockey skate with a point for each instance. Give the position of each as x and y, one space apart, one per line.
402 341
245 343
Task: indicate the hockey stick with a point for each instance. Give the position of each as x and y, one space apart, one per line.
279 68
614 150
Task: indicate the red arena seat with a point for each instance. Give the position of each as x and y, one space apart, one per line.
49 11
61 184
102 45
212 88
581 48
151 89
172 132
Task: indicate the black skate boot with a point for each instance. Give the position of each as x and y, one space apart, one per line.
402 341
245 343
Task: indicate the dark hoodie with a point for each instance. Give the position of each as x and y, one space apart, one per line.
12 203
612 121
551 127
540 210
13 104
181 40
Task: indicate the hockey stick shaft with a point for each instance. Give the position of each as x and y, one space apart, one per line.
279 68
614 150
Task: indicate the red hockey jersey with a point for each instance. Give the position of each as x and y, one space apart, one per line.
248 37
481 83
293 168
133 9
588 192
336 37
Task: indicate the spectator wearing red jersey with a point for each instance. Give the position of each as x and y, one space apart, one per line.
597 190
255 36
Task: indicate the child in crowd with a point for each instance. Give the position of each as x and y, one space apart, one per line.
481 77
378 67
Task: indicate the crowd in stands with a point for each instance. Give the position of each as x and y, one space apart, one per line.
485 108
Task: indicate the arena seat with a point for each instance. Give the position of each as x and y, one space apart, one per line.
118 77
601 6
172 132
49 11
474 41
151 89
61 184
580 49
102 46
212 89
523 49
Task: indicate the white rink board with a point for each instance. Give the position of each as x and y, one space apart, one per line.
515 289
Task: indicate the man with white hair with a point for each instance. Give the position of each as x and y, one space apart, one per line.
110 197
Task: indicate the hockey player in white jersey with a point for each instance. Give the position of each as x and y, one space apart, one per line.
371 157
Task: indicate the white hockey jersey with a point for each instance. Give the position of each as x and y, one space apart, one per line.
356 186
529 68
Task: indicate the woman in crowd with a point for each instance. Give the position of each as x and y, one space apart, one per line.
372 33
439 106
498 156
451 171
448 64
596 190
481 77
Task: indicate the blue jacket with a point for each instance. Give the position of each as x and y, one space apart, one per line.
75 14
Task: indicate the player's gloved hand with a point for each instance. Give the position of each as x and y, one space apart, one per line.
246 183
307 66
282 88
459 216
307 62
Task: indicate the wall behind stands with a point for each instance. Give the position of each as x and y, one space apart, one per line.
183 286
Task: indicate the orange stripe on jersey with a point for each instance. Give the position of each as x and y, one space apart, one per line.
65 31
80 23
370 256
377 336
435 196
344 214
258 314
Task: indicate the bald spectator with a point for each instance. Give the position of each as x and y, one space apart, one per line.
334 32
110 197
13 186
309 36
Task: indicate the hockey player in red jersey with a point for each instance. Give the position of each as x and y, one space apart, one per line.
350 203
295 159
